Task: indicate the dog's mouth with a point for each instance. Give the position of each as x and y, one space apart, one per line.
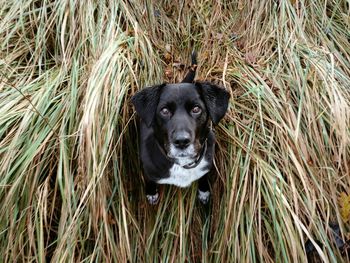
188 157
183 159
181 155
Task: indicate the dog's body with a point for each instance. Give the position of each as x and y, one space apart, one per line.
177 143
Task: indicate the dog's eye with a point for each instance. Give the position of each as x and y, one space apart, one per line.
196 110
165 112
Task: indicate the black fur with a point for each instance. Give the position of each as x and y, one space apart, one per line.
215 99
169 115
146 101
189 78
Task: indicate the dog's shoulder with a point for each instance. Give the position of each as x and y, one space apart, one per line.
210 145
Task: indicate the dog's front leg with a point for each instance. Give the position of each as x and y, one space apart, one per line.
152 192
204 189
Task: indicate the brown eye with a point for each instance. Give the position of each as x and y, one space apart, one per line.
196 110
165 112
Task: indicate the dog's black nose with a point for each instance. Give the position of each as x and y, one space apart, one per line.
182 140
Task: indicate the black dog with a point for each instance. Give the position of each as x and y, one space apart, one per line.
177 143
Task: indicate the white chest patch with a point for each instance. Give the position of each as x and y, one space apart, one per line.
182 177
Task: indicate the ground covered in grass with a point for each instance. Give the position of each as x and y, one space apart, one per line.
70 179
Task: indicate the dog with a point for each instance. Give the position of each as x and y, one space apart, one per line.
176 139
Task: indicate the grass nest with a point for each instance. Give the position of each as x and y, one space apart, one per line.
71 188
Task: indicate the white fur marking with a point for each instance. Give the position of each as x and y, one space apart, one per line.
183 157
203 196
182 177
153 199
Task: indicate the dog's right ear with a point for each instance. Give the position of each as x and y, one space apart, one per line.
146 101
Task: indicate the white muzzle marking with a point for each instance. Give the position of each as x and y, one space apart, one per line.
182 157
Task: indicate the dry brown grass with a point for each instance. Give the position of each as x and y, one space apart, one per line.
71 189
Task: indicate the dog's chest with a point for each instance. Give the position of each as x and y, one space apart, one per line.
183 177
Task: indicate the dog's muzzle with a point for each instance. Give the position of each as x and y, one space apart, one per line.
187 158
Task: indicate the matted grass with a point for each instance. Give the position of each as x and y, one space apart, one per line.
71 188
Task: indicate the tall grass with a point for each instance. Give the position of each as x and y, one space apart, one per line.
71 188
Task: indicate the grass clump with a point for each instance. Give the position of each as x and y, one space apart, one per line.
71 187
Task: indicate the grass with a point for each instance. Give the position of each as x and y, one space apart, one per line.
71 188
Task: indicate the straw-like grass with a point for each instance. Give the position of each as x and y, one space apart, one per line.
71 188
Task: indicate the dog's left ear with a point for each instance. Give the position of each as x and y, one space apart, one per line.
216 100
146 101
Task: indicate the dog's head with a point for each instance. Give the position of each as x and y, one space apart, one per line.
179 114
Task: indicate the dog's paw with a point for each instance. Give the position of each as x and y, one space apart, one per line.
203 196
153 199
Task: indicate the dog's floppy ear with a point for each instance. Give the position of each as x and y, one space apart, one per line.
215 99
146 101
